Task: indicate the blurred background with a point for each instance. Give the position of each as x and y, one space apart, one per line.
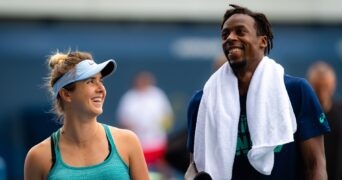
175 40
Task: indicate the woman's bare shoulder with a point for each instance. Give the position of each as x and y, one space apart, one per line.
41 150
123 134
38 160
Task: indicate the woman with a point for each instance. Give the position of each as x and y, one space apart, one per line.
83 148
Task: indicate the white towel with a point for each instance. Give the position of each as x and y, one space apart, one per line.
270 119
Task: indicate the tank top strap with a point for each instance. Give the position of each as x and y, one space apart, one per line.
114 151
54 150
109 136
56 137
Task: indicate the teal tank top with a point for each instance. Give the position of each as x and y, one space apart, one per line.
112 168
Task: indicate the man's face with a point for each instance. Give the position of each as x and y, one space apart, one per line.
240 41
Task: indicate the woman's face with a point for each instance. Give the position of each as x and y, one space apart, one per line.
89 96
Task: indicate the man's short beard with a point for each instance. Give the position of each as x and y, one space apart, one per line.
239 65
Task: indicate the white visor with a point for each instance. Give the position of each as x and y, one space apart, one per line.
84 70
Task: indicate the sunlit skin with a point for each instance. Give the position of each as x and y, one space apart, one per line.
243 48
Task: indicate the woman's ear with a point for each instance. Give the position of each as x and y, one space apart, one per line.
65 95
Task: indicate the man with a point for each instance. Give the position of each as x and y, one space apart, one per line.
322 78
146 110
252 121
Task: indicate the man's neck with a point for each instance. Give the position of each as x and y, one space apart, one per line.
245 74
243 82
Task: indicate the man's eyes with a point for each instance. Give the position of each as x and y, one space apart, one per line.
239 31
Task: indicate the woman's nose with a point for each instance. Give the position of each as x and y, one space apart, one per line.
100 86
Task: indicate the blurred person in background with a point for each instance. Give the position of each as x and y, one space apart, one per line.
83 148
146 110
322 78
252 120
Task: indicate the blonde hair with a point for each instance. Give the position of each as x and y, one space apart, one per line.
59 64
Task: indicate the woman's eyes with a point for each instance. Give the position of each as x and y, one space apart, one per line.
91 81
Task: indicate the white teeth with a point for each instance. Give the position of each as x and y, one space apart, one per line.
97 99
234 49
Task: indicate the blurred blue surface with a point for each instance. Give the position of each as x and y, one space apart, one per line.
3 175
